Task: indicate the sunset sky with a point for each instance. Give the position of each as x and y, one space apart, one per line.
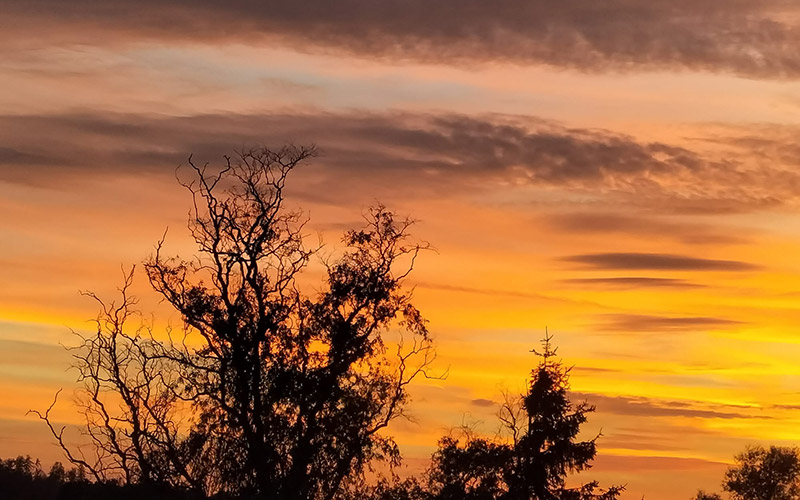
622 172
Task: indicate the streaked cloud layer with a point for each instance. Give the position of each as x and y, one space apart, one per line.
412 150
750 38
625 173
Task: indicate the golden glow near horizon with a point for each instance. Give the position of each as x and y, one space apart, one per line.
640 202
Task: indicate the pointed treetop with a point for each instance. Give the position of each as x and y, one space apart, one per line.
548 351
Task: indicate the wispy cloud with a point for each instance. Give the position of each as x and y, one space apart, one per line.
632 282
485 291
648 407
644 225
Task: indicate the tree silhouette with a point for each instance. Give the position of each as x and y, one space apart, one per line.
542 425
268 391
764 474
702 495
131 406
477 469
23 478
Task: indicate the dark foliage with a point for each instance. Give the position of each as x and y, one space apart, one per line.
23 478
477 470
764 474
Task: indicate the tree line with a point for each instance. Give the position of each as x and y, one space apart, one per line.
273 389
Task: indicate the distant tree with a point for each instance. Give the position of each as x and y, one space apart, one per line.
23 478
269 391
764 474
702 495
542 425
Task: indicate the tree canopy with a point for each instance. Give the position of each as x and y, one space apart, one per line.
764 474
269 389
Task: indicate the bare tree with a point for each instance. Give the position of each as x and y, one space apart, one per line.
288 391
132 423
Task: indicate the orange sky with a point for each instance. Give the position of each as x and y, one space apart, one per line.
626 176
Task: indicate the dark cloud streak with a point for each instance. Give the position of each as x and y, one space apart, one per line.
656 261
648 323
417 154
754 38
446 148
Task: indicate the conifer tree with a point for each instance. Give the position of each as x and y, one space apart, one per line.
546 450
541 452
